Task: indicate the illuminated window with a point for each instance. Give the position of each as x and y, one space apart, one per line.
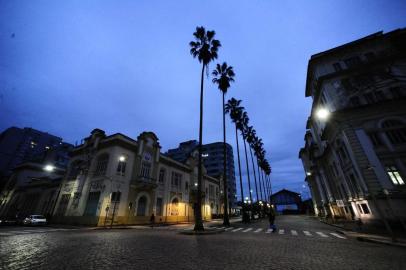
394 175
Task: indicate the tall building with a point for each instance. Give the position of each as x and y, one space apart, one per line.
19 145
355 144
114 179
213 157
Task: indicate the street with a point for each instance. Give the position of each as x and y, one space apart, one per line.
300 242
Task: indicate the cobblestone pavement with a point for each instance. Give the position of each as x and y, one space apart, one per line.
147 248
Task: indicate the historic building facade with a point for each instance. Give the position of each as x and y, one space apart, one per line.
355 144
118 180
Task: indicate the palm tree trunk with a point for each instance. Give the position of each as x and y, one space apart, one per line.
264 184
226 221
259 182
255 177
198 210
248 174
239 171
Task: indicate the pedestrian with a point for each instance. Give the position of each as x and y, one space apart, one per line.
272 215
152 220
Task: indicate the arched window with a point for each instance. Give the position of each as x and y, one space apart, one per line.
142 206
395 130
175 207
101 164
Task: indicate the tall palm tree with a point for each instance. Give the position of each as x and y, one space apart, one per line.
205 49
244 132
235 110
250 139
223 76
259 153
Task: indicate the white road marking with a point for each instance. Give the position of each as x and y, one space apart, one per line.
293 232
220 228
247 230
281 231
321 234
19 232
238 229
338 235
307 233
269 231
258 230
229 228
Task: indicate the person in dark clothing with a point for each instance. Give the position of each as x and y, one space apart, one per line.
272 215
152 220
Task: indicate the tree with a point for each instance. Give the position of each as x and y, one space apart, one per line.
251 137
245 133
205 49
223 76
236 111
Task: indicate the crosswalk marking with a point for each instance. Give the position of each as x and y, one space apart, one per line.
321 234
236 230
293 232
281 231
307 233
247 230
258 230
229 228
220 228
337 235
269 231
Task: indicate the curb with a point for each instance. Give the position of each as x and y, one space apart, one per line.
365 239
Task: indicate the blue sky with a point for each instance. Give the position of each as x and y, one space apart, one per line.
67 67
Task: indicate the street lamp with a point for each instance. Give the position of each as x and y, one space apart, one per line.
322 114
121 158
49 168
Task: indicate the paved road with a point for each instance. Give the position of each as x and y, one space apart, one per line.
250 247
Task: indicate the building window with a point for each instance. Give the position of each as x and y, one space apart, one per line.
337 67
145 169
122 162
101 165
159 206
211 192
176 179
395 130
370 98
376 141
161 178
352 61
187 186
74 170
365 208
394 175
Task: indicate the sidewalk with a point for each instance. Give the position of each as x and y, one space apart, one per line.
368 233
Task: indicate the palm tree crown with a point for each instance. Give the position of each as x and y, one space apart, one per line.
224 74
205 47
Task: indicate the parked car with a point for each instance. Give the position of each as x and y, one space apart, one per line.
35 220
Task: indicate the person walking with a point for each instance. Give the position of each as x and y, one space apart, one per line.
272 215
152 220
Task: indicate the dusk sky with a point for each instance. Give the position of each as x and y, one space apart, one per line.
67 67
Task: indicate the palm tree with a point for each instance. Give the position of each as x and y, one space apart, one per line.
259 153
205 48
250 139
235 110
223 76
244 128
